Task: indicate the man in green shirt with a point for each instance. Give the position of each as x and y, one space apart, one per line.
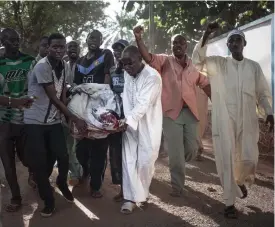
14 68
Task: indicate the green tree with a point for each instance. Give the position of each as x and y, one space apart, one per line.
191 17
33 19
119 28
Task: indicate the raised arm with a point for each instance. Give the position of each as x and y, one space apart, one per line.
206 65
141 46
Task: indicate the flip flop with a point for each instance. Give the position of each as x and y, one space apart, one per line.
128 207
13 207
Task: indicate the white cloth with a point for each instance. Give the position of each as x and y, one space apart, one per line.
202 100
141 141
236 88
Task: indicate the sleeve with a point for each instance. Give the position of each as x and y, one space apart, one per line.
202 81
108 61
208 66
146 97
262 91
157 61
43 74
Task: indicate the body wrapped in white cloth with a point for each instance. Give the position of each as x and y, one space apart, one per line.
98 106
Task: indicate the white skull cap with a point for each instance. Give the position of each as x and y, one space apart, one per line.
235 32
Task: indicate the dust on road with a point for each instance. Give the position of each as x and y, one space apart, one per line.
200 206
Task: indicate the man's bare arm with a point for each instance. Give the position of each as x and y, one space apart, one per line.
141 46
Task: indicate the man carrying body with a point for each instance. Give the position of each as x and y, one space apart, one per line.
75 169
94 67
14 69
238 84
143 125
115 140
45 135
181 119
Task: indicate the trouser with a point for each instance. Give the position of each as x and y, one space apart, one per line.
92 155
115 152
182 137
46 144
12 141
75 169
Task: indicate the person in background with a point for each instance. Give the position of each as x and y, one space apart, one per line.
179 103
238 85
94 67
14 69
43 48
143 128
202 100
45 136
75 169
115 140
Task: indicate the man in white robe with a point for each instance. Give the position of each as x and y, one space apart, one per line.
143 125
237 85
202 100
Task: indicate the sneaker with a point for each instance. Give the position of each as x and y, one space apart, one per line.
47 211
66 193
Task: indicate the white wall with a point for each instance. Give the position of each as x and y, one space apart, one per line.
258 47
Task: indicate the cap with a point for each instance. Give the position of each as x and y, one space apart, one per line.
235 32
122 42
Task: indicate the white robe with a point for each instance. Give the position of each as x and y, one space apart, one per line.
236 88
141 141
202 100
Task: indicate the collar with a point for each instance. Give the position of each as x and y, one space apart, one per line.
96 54
187 60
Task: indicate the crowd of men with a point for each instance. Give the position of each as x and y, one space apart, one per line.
158 92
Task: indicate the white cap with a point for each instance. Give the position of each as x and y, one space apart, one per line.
235 32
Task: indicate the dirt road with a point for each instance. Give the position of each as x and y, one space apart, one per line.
201 206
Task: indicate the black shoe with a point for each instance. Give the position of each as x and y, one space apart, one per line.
66 193
47 211
244 191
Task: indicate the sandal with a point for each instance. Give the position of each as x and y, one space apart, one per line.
96 194
128 207
118 198
244 191
13 207
231 212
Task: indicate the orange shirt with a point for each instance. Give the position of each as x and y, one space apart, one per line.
178 84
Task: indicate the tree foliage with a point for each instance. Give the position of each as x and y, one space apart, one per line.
33 19
191 17
119 28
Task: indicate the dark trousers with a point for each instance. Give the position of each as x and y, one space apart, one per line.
12 141
92 155
115 153
46 144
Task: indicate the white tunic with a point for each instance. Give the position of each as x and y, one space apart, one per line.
237 86
141 142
